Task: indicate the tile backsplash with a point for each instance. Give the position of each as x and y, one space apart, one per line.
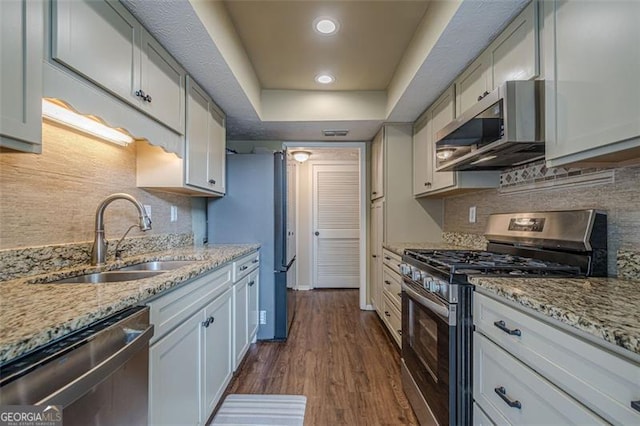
620 199
51 198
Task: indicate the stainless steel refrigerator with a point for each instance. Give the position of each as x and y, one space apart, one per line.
254 210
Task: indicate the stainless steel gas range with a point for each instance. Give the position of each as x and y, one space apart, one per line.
437 317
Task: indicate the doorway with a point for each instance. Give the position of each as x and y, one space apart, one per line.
331 201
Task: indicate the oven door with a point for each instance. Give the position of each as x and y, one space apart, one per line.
429 352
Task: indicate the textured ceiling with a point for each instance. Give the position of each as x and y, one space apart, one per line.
177 26
287 53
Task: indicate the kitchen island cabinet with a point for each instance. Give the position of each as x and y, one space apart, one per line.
21 49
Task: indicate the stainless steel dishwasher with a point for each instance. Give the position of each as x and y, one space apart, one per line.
99 374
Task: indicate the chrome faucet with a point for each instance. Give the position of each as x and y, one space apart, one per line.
99 249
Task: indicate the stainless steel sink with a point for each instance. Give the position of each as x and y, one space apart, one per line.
160 265
108 277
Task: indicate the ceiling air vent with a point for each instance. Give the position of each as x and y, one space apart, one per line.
335 132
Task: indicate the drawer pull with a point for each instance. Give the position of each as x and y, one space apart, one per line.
635 405
387 258
502 326
255 261
387 282
251 283
208 322
502 393
244 267
387 313
399 332
400 294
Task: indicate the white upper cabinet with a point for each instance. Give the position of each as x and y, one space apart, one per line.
473 83
205 142
592 95
377 165
426 180
103 42
21 44
514 55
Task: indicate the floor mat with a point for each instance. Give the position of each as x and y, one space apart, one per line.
254 410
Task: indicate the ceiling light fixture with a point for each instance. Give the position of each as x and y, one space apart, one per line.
56 111
301 156
325 26
335 132
325 78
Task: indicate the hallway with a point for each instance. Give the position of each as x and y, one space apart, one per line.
339 357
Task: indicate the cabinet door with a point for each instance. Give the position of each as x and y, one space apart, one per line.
442 113
240 320
217 152
254 285
98 39
377 165
514 54
163 80
422 160
197 136
175 375
377 236
472 83
592 64
21 31
216 352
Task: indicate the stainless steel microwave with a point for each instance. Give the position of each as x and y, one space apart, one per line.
505 128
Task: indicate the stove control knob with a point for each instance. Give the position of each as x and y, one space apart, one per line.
416 275
405 269
434 286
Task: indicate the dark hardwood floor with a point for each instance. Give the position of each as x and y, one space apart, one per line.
339 357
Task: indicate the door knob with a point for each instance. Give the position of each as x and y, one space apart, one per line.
316 233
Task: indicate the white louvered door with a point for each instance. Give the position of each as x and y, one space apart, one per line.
336 226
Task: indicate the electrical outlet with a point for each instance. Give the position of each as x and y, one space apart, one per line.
263 317
472 214
147 210
174 213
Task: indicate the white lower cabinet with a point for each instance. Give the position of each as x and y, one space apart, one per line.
216 358
241 326
557 376
511 393
191 356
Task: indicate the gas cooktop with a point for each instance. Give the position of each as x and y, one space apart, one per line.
475 262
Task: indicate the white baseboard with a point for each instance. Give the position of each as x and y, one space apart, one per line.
304 287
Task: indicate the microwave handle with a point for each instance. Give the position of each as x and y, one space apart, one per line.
449 315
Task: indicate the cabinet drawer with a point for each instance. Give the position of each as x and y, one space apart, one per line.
392 287
244 265
479 417
604 382
391 260
392 319
170 310
511 393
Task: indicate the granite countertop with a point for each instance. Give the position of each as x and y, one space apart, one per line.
398 248
33 313
607 308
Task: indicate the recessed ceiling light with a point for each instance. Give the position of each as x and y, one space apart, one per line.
325 78
325 26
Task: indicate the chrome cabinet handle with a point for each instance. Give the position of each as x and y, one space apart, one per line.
399 332
387 282
635 405
251 283
483 95
243 267
212 181
143 96
502 326
387 313
502 393
255 261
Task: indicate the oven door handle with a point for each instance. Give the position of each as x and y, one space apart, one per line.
440 309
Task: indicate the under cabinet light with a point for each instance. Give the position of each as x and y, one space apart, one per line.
56 111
